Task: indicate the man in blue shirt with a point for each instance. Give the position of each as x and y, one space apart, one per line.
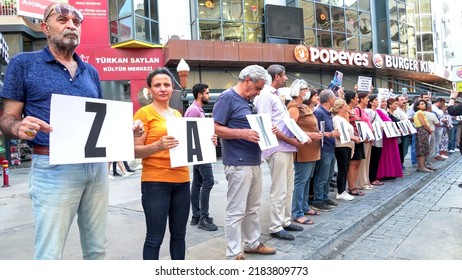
325 166
58 192
241 158
203 181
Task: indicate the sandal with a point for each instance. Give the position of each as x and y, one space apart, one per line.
367 187
312 213
377 183
424 170
356 192
304 221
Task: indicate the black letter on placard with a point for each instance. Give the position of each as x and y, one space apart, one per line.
90 148
193 137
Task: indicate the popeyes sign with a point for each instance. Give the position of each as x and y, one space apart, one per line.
342 57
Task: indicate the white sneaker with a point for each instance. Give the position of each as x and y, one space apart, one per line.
406 172
444 156
127 174
451 151
456 150
345 196
110 177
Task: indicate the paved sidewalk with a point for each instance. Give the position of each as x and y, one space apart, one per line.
331 234
427 226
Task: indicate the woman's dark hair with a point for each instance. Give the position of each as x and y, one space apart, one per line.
416 104
371 99
159 71
390 102
362 94
349 95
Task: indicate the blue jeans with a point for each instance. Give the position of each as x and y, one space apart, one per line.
160 201
200 189
452 138
58 193
324 173
303 173
413 152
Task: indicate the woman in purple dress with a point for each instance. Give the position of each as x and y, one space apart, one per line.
390 161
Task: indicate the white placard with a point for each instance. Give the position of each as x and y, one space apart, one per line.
364 131
377 130
262 124
296 130
364 83
195 141
411 127
403 127
90 130
344 133
391 130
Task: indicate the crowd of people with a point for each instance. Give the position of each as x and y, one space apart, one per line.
298 169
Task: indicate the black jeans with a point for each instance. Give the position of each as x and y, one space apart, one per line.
200 189
343 156
376 152
161 200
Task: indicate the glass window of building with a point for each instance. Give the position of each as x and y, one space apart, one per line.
353 42
365 26
322 17
352 4
364 5
338 19
133 20
366 44
339 40
228 20
324 40
351 21
308 13
310 37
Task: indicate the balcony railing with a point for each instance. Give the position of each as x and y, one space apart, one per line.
8 10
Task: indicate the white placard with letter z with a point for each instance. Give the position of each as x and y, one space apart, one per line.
90 130
195 141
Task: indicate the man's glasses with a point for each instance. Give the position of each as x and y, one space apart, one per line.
65 11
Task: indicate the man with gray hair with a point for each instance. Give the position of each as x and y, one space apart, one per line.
324 170
241 158
280 159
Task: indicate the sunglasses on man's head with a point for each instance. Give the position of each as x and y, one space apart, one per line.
64 11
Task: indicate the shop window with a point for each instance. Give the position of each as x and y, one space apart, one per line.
133 20
338 20
308 14
365 27
366 44
351 4
310 37
210 30
364 5
228 20
324 39
233 31
322 17
353 42
351 21
339 40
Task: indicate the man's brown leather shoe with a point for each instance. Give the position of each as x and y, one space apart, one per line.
261 249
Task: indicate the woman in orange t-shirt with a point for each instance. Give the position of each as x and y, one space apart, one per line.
164 190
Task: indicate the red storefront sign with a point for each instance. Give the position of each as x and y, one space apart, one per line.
122 64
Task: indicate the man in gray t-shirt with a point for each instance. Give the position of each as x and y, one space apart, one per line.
241 158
